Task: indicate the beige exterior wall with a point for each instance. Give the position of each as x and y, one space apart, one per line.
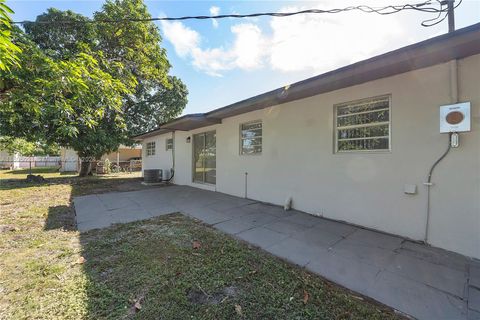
162 159
124 154
367 189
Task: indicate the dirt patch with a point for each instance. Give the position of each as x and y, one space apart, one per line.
7 228
201 297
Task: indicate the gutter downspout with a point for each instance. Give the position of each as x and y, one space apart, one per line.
173 154
453 87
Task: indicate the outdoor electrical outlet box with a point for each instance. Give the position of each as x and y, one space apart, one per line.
455 117
410 189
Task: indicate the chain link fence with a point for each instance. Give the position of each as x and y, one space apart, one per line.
69 165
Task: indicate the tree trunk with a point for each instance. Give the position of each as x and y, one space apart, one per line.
85 168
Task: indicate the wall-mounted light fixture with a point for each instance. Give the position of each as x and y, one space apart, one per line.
189 139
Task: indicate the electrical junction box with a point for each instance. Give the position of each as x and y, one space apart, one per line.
455 117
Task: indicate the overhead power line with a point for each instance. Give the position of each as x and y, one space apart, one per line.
437 7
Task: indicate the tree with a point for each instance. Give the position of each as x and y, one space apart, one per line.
136 45
8 50
13 145
26 148
66 38
146 109
70 102
90 86
132 54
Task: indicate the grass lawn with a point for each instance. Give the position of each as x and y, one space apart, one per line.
170 267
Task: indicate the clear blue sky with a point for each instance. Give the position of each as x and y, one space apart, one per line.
225 61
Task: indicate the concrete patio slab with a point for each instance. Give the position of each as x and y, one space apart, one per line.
233 226
421 281
350 273
446 279
296 251
341 229
474 300
286 227
375 239
473 315
366 253
261 237
434 255
474 276
415 298
320 238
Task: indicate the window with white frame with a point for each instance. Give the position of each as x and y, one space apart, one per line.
363 125
251 137
150 148
169 144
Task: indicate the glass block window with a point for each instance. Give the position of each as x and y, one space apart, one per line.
251 138
363 125
150 148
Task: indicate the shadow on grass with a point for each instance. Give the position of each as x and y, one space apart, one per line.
34 170
60 217
80 185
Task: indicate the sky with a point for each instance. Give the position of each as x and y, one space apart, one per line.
228 60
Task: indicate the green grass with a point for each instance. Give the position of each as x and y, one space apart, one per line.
151 263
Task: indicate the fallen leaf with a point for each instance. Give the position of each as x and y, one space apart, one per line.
81 260
238 310
196 244
138 305
306 296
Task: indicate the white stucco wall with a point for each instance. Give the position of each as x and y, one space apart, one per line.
69 160
298 160
162 158
10 161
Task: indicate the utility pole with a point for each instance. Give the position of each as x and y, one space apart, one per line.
451 15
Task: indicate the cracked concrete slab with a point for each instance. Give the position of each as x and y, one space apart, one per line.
320 238
261 237
415 298
350 273
296 251
421 281
446 279
474 299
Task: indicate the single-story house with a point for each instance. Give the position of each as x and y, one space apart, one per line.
355 144
70 160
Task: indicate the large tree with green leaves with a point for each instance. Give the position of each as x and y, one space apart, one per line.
131 51
8 50
91 84
64 39
70 102
136 45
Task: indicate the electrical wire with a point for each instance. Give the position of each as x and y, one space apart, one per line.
427 7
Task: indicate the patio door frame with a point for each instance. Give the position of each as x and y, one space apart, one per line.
194 163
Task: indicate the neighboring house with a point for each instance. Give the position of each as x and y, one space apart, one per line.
71 161
9 161
354 144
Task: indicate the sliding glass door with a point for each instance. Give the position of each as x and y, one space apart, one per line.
204 157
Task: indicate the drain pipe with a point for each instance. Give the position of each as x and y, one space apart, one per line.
453 73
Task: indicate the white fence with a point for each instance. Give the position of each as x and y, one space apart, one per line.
15 162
